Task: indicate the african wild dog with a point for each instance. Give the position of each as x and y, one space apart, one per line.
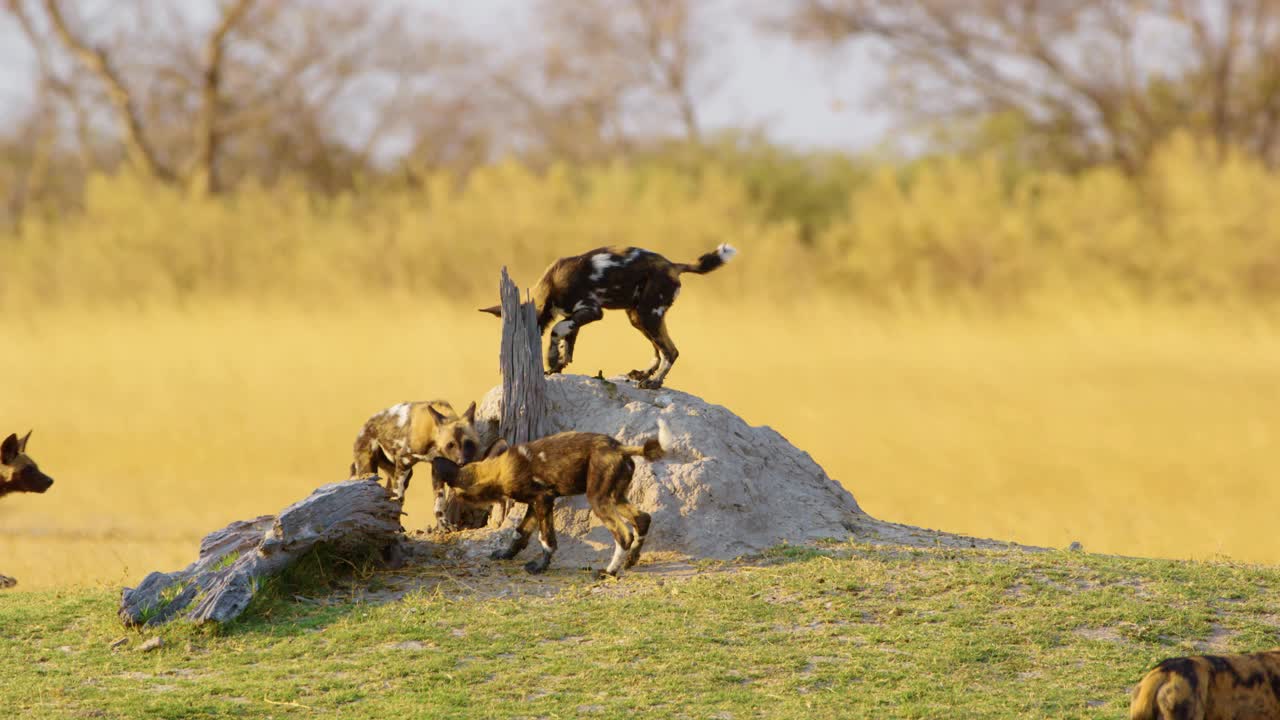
1210 687
18 472
644 283
395 439
569 463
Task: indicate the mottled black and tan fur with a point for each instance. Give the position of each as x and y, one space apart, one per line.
18 472
396 439
538 472
1210 687
577 290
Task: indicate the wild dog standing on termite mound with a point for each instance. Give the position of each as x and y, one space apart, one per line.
395 439
644 283
1210 687
569 463
18 472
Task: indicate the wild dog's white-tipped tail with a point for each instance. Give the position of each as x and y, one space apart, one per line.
664 435
723 253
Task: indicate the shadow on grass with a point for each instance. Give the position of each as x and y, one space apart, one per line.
308 595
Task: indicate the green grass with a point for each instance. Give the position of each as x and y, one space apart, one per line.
843 631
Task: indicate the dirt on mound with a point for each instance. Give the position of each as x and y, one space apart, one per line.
724 490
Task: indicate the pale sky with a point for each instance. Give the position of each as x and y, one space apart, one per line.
798 98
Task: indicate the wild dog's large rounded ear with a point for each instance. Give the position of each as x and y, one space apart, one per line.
495 311
22 444
437 415
470 414
497 449
9 449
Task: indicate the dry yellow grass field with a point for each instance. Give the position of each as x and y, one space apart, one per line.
1147 433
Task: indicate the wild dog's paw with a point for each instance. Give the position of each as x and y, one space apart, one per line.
535 567
604 574
650 384
638 375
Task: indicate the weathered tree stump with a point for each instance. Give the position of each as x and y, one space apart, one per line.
347 516
524 390
524 386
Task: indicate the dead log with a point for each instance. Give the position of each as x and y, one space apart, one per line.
348 517
524 390
524 386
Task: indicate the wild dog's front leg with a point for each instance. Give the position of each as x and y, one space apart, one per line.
544 507
566 332
554 361
442 520
521 540
401 477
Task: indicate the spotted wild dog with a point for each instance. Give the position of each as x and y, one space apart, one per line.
396 439
569 463
18 472
645 284
1210 687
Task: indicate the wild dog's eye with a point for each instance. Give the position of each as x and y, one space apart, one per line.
451 446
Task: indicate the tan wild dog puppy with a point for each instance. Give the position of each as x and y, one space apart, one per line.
396 439
18 472
1210 687
569 463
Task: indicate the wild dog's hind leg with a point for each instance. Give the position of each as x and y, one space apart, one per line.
636 322
545 507
606 508
521 540
650 316
639 520
667 350
568 328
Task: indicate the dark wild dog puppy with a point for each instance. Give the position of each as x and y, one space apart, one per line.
645 284
395 439
570 463
18 472
1210 687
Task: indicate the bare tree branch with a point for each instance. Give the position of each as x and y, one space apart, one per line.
139 149
1083 70
204 177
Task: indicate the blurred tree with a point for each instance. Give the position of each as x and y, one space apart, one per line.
1087 80
206 95
605 76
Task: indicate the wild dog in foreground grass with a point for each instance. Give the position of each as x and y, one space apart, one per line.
644 283
1210 687
18 472
396 439
570 463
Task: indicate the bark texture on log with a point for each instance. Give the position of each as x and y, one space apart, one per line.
217 587
524 386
